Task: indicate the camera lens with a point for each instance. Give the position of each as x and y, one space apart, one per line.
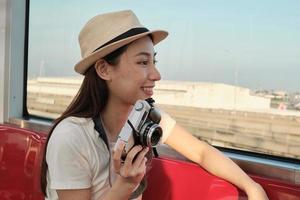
150 134
156 135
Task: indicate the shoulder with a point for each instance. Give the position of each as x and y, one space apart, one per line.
73 123
72 130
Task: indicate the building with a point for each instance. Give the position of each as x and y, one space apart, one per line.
208 95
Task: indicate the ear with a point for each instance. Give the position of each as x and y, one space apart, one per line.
102 68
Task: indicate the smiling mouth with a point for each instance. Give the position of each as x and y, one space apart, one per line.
148 89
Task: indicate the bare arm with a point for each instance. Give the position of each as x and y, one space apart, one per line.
213 161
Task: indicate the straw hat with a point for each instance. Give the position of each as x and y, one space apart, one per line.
107 32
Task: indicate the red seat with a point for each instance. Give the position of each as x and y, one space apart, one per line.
21 154
20 157
177 180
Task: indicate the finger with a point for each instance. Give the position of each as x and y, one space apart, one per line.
142 168
131 155
143 163
138 161
139 171
117 153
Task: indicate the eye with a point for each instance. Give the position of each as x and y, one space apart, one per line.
144 62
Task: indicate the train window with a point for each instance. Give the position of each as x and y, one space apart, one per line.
231 68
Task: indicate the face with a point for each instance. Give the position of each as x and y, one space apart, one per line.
135 76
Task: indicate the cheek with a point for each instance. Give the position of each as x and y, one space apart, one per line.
135 77
130 79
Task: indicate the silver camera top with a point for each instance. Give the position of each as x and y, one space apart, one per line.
139 114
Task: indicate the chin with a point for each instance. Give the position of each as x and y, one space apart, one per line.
140 97
148 96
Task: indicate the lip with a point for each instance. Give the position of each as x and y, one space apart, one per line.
148 90
150 86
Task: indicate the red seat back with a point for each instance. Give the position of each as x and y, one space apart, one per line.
173 179
20 158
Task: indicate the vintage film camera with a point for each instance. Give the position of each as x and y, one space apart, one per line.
142 126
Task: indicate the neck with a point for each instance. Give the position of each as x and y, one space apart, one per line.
114 117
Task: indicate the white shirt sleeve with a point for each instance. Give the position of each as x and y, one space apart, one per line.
167 123
67 158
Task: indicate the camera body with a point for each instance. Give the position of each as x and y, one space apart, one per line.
142 126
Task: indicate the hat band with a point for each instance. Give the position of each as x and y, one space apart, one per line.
131 32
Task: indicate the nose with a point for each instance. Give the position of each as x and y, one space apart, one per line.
154 74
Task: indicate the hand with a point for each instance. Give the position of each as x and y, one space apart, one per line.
256 192
133 169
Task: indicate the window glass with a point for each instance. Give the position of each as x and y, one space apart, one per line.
230 69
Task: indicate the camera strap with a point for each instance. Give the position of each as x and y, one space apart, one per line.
155 152
99 128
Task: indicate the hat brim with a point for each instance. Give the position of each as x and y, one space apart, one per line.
85 63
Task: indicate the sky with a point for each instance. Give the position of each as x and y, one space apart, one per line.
250 43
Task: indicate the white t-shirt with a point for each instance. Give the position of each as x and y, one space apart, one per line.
78 158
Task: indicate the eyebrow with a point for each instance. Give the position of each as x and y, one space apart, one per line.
145 53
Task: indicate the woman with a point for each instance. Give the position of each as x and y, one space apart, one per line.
118 65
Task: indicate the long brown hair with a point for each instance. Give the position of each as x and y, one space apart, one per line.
88 102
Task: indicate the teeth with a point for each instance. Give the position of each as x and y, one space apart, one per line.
147 89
